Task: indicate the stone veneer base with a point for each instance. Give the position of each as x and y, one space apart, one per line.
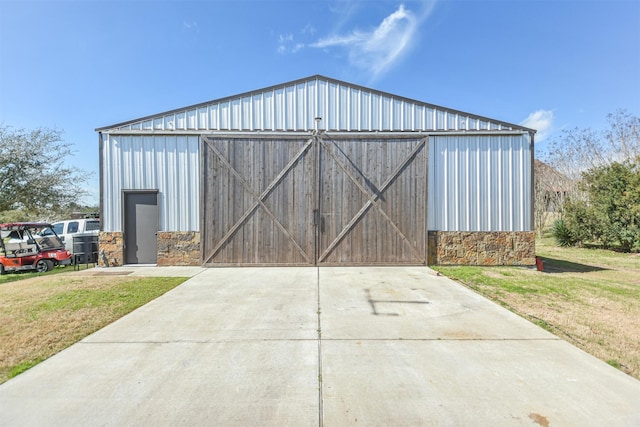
445 248
110 248
174 248
481 248
179 248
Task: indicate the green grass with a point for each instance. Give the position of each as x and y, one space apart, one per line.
546 247
614 363
42 316
591 297
120 299
508 279
24 366
23 275
569 271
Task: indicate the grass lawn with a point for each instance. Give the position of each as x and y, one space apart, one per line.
41 315
589 297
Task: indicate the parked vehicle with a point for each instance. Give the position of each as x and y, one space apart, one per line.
31 246
68 228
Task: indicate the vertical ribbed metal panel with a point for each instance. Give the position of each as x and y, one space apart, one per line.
480 183
476 182
169 164
295 106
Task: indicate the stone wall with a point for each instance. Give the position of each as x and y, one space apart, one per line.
179 248
110 247
445 248
174 248
481 248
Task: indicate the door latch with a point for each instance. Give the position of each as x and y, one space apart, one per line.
318 220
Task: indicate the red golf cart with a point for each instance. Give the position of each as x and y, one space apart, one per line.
31 246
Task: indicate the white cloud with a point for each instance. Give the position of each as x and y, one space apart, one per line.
374 50
381 47
286 44
540 120
190 25
308 29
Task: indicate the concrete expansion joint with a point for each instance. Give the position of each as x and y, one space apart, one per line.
439 339
223 341
148 342
320 383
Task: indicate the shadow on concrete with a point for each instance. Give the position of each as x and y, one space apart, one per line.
376 312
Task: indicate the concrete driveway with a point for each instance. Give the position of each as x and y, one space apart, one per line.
328 346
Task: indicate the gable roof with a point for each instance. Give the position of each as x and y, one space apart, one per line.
294 106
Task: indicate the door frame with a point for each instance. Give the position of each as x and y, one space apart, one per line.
125 193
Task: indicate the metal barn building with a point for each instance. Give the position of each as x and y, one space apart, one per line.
316 172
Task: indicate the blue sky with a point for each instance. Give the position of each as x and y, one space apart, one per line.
79 65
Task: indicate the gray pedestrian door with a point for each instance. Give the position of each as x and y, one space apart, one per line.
311 200
141 227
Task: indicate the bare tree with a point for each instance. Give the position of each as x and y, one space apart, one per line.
623 136
551 189
582 153
579 150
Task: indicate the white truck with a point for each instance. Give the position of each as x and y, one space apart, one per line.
68 228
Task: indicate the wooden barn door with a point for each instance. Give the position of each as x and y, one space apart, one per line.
258 200
313 200
372 201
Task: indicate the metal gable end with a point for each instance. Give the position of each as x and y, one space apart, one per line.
310 103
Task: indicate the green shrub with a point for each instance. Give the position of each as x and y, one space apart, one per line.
562 234
607 212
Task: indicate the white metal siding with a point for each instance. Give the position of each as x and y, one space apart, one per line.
479 183
476 182
295 106
170 164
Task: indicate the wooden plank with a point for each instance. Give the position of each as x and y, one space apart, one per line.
372 201
268 169
371 193
247 164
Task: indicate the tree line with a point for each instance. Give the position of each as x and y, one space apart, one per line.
590 183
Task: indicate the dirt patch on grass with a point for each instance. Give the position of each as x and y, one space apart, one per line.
591 298
111 273
41 316
607 329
